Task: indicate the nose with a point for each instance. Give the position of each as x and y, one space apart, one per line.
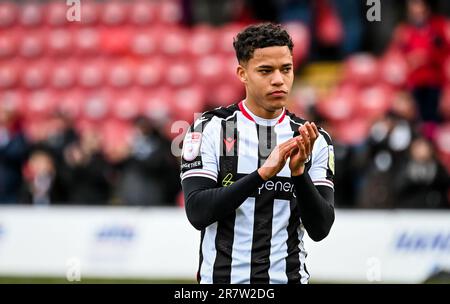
277 78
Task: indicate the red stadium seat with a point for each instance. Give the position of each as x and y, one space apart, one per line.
361 69
32 44
223 95
174 42
60 42
55 13
226 35
156 106
340 105
8 44
186 102
145 43
120 74
91 74
394 70
169 12
301 39
87 41
12 101
351 132
115 139
143 13
202 41
90 12
446 69
9 74
35 76
150 73
71 103
97 105
31 14
373 102
116 41
127 105
114 13
209 70
40 104
179 74
8 14
447 31
63 74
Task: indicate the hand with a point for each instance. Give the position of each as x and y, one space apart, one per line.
277 159
305 142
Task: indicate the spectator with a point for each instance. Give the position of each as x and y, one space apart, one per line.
13 153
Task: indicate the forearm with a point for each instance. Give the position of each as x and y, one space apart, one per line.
205 204
316 206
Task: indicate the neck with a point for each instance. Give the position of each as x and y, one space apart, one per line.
260 111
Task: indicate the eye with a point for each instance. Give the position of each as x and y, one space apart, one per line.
264 72
287 69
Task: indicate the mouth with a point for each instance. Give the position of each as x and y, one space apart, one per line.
278 93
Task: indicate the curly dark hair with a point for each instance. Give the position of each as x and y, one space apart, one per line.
258 36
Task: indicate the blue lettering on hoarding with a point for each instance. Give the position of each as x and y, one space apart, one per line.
420 242
115 233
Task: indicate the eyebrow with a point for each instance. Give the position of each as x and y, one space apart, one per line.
271 67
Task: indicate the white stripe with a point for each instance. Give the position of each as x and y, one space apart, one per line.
248 145
209 254
242 244
302 256
278 245
284 133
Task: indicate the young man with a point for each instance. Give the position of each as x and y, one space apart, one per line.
255 176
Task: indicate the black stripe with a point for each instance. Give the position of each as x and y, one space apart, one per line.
262 228
292 260
201 256
225 228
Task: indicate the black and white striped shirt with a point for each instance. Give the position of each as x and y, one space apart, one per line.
262 240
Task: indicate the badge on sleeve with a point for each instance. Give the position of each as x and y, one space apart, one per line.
331 158
191 146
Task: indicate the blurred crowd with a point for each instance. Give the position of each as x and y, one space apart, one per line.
86 108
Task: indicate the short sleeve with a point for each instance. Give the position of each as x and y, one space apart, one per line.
323 167
198 157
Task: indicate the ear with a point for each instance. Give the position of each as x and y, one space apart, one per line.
241 72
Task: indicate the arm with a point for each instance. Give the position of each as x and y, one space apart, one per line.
316 205
206 204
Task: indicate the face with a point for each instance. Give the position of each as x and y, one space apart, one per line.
268 77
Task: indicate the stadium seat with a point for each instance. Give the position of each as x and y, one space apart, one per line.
150 73
186 102
340 105
394 69
60 42
145 43
90 10
12 100
127 105
116 41
301 39
71 103
63 74
202 41
87 41
55 13
91 73
351 132
169 12
35 75
209 69
32 44
97 105
8 44
361 69
173 42
114 13
9 74
446 69
8 14
39 104
156 106
373 102
226 35
115 139
31 14
120 74
179 74
142 13
223 95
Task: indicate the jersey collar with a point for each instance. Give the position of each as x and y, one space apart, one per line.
256 119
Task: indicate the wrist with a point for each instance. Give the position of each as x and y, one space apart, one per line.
263 174
299 171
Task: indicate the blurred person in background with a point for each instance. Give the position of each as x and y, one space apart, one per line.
421 181
14 150
421 40
43 184
149 173
87 173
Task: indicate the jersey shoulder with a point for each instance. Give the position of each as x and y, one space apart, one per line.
222 113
